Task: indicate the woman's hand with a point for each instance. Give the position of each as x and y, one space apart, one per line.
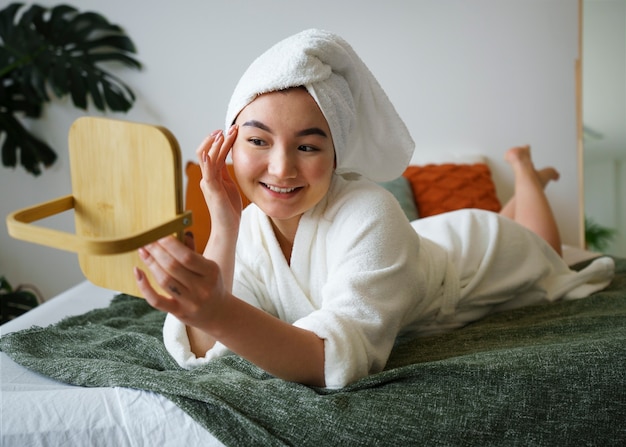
197 297
194 284
219 189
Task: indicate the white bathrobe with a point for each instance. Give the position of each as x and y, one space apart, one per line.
361 274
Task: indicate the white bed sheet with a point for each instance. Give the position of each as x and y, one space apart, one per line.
38 411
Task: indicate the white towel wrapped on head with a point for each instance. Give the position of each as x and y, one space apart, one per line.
369 136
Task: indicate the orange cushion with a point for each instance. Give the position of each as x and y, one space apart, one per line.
439 188
194 202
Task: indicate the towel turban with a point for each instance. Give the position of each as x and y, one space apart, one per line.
369 136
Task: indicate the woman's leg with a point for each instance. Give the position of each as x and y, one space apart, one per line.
545 176
529 206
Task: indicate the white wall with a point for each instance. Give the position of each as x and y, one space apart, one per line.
467 76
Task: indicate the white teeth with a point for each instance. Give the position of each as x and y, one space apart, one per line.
279 190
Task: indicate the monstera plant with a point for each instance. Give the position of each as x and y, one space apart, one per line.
55 51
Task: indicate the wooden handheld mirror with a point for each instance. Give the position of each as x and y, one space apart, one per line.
126 192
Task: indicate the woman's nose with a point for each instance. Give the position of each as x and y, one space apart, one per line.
281 163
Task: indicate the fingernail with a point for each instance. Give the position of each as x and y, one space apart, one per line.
232 129
138 274
143 254
215 132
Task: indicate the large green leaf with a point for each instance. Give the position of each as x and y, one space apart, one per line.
34 152
58 50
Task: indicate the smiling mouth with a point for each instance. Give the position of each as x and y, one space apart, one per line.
278 189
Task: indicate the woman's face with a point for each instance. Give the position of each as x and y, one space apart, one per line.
284 156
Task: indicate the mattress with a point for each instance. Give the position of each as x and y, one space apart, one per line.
97 416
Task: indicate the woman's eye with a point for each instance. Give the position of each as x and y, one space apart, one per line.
305 148
256 141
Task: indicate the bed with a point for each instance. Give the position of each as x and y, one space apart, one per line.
89 368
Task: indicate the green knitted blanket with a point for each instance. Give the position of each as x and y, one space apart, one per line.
545 375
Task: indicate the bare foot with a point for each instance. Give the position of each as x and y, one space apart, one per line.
519 158
546 175
519 155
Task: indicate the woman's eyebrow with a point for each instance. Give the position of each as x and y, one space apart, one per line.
255 123
312 131
302 133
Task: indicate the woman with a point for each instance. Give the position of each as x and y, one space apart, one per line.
315 280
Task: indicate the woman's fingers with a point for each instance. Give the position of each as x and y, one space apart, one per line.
214 150
192 285
206 145
204 160
170 257
227 145
177 268
172 275
156 300
207 166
